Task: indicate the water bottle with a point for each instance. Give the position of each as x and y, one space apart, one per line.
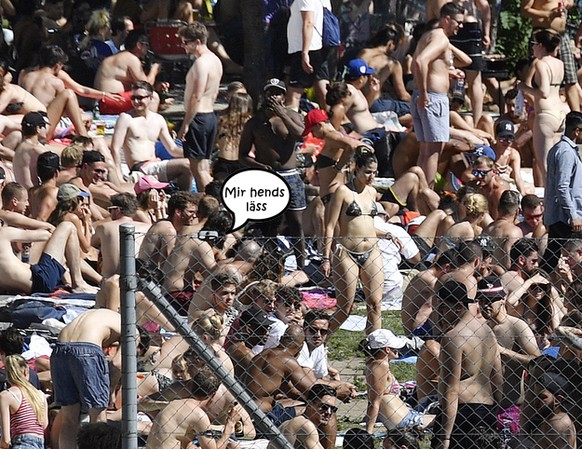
25 253
96 112
519 104
459 86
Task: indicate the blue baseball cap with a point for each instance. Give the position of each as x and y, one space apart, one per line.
358 67
482 150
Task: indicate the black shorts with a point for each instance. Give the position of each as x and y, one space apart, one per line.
324 63
46 274
470 40
201 136
223 168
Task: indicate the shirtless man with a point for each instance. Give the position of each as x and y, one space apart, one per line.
106 235
516 341
93 338
532 208
431 68
93 171
488 182
198 130
471 39
117 73
160 238
419 297
46 275
15 207
551 14
503 230
273 132
43 199
184 420
471 379
304 430
35 127
137 132
50 83
191 257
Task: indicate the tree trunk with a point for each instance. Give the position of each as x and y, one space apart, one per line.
254 50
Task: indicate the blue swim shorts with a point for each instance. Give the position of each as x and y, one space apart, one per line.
431 124
46 274
80 374
296 188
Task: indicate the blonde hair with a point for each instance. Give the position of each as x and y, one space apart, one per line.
16 366
72 155
476 204
209 324
96 27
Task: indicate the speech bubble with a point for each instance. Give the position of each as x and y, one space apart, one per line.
256 195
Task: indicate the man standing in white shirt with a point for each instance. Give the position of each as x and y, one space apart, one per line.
311 63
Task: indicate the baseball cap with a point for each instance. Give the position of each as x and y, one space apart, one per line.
90 157
482 150
69 191
486 243
148 182
358 67
505 128
275 82
256 318
34 119
384 338
48 159
454 292
490 289
314 117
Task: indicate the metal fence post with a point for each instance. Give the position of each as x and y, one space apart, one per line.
128 286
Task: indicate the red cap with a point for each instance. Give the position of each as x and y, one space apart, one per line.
314 117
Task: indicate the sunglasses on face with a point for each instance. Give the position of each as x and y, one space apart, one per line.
530 217
139 97
506 139
481 173
315 330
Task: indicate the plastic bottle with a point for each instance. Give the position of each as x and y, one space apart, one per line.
519 104
96 112
25 253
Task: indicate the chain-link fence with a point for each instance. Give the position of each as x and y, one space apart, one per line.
470 345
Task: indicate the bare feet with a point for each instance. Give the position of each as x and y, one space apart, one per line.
85 288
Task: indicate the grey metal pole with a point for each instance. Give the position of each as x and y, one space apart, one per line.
154 294
128 286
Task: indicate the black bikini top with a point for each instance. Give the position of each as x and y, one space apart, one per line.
354 209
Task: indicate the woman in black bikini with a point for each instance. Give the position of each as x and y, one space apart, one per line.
356 256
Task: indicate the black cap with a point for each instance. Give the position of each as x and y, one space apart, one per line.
48 159
555 383
490 289
454 292
256 318
92 156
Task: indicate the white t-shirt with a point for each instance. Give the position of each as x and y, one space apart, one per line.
295 25
316 360
391 254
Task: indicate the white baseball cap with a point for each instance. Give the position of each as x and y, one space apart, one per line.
384 338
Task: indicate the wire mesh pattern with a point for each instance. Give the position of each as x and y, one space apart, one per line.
471 350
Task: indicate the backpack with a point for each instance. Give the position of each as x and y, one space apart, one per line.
331 29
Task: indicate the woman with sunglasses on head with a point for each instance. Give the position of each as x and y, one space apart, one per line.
543 84
384 402
356 256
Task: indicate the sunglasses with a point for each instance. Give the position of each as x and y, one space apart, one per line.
481 173
315 330
529 217
327 407
139 97
506 139
187 42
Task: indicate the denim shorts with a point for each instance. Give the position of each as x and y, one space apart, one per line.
413 419
80 374
431 124
27 441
